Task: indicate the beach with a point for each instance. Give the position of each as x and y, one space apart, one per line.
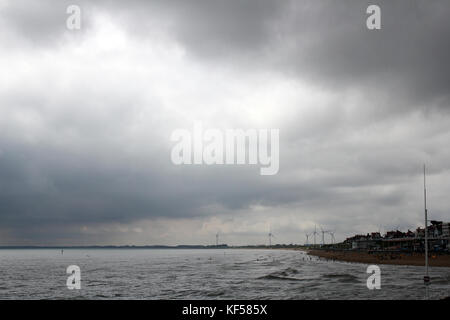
411 259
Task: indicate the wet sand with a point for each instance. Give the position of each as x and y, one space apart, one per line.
413 259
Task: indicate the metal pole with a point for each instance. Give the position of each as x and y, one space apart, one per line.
426 279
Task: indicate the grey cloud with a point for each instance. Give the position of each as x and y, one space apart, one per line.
325 42
347 166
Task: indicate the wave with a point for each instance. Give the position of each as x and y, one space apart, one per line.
278 277
286 274
341 277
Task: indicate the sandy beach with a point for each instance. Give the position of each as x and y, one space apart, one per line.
413 259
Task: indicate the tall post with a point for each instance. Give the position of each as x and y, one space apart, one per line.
426 278
315 235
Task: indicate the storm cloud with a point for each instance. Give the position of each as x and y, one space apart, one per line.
86 117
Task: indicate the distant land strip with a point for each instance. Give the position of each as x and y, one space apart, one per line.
373 257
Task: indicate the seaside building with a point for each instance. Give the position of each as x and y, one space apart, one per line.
446 229
438 239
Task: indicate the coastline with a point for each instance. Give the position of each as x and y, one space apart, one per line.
413 259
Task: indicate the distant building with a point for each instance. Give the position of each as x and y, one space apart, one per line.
446 229
438 239
375 235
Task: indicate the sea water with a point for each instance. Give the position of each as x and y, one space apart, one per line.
205 274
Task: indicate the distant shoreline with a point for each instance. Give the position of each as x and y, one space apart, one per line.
181 246
412 259
118 247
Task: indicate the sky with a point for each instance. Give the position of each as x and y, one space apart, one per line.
86 118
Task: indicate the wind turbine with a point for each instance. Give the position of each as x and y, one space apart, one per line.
379 230
323 235
314 233
307 238
270 237
332 236
323 238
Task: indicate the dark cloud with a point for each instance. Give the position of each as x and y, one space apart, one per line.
326 42
84 140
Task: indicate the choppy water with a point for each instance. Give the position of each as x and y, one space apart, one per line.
205 274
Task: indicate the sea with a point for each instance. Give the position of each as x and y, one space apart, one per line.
205 274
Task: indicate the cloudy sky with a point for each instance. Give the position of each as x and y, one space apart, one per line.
86 118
